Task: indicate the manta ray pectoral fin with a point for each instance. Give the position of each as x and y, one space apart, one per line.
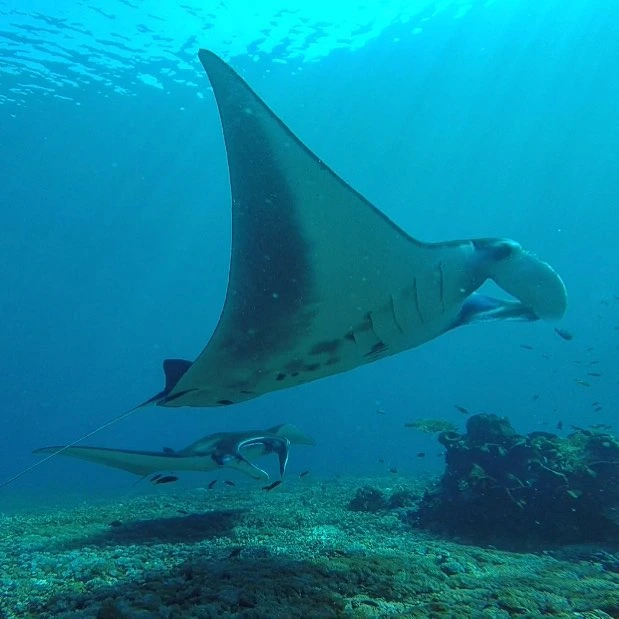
136 462
321 281
292 433
522 274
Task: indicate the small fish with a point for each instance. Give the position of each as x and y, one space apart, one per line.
382 460
535 397
235 552
393 470
273 485
303 474
566 335
229 483
182 511
597 409
116 523
168 450
559 425
596 403
594 374
166 479
212 484
526 346
421 454
464 411
582 383
380 411
600 426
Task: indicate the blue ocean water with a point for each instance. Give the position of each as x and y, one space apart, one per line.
456 119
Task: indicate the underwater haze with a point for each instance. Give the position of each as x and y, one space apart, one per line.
456 119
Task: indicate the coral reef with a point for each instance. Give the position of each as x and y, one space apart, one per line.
296 552
518 491
368 499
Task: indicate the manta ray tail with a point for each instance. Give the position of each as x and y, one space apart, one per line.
173 370
60 450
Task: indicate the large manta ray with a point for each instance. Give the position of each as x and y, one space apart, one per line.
321 281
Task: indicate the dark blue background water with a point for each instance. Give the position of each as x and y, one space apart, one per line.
114 237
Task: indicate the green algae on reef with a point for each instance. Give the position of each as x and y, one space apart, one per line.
296 552
548 489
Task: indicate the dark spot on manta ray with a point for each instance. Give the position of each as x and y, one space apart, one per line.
378 347
312 367
246 392
167 479
280 376
225 402
294 374
328 346
332 361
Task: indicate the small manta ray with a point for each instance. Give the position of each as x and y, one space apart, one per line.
321 281
225 449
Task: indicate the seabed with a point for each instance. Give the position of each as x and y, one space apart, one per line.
296 551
